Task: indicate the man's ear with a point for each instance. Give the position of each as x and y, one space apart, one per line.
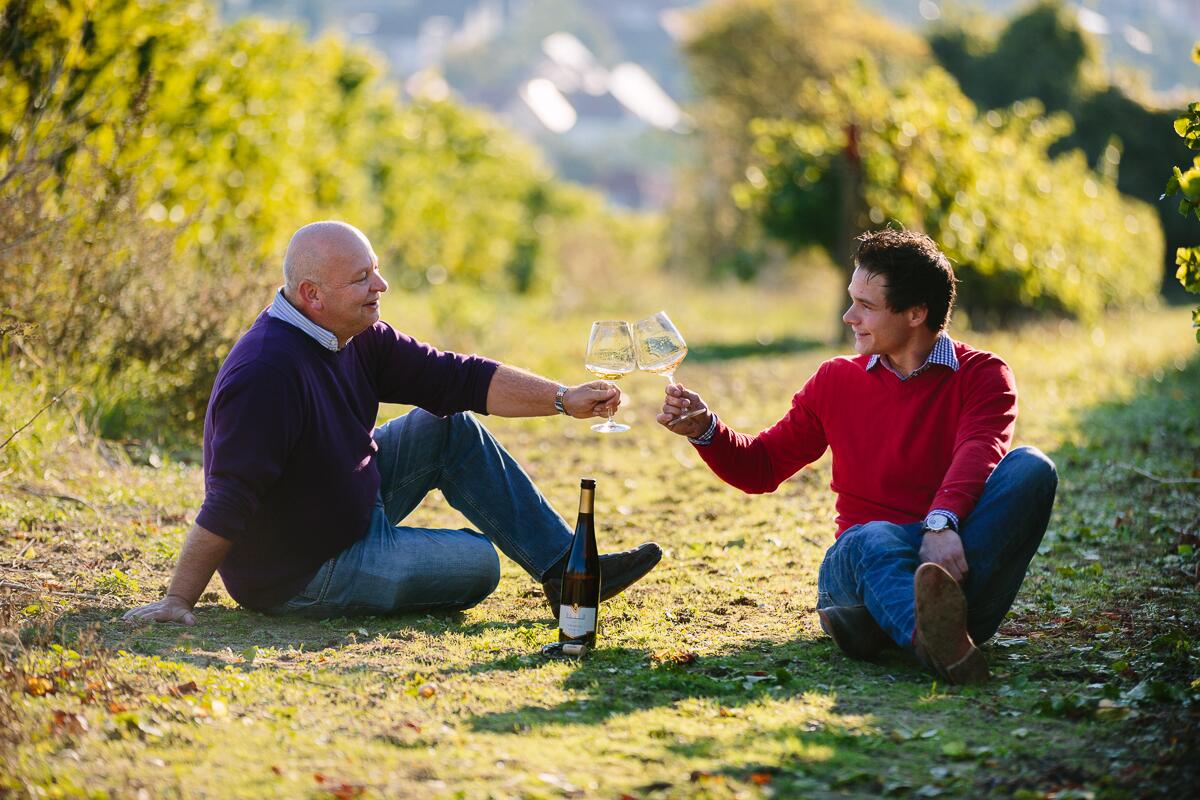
917 315
310 295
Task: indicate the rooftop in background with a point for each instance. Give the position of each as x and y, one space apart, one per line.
601 87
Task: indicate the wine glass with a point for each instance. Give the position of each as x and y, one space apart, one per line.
609 357
660 345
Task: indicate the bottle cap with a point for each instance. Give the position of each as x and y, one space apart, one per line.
587 483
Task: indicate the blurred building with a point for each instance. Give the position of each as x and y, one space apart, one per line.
608 120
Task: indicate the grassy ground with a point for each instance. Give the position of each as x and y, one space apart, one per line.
713 679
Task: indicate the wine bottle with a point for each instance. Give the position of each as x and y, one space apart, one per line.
581 579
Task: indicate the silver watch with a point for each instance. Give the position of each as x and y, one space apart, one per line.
559 397
938 523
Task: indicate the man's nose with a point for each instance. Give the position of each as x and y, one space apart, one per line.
380 284
847 318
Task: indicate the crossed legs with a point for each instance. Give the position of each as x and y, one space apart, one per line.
873 565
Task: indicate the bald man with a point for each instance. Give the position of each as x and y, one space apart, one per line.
304 495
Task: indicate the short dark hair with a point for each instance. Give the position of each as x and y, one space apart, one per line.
916 271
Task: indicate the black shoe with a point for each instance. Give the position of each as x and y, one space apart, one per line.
618 571
855 631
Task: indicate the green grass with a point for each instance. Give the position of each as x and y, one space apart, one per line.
713 679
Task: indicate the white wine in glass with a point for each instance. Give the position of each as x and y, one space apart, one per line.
610 357
660 345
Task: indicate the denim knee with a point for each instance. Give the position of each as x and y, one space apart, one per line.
465 422
465 429
1034 467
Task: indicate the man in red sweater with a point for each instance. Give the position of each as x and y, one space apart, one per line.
937 520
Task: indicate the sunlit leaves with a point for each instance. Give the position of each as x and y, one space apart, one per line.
155 162
1025 231
1188 184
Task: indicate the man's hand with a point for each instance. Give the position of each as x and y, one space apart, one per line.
169 609
946 549
595 399
202 551
683 412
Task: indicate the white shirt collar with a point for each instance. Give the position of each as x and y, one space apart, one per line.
282 309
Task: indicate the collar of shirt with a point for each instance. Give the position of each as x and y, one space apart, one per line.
942 353
282 309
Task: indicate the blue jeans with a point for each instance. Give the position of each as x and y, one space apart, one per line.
873 564
397 568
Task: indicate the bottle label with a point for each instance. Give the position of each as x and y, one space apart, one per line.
576 621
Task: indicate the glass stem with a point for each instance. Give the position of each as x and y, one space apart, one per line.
610 413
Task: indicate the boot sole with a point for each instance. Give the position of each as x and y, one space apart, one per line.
942 627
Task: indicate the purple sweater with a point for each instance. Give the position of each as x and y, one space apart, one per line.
289 459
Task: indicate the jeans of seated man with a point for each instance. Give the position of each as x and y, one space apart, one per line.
873 564
396 568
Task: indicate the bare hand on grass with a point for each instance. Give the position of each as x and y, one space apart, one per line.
169 609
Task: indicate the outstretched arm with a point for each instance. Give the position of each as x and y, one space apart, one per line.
754 464
516 393
202 553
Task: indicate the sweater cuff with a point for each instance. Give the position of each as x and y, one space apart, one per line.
705 439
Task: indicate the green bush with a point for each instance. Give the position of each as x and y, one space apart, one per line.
1187 184
154 163
748 59
1024 230
1042 53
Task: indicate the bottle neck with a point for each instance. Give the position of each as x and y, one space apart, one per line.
586 499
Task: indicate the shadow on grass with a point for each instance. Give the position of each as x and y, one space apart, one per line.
730 351
621 681
1161 422
219 628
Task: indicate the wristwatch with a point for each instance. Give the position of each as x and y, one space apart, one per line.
559 396
938 522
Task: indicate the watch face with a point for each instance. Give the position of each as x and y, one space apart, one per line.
937 522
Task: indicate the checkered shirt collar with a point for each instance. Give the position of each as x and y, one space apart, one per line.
942 353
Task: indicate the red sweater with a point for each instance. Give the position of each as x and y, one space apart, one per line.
900 448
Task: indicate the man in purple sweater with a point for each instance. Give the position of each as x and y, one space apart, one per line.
304 495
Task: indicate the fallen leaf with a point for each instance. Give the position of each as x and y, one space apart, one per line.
38 686
760 778
343 790
427 690
65 722
700 776
184 688
754 678
278 770
673 656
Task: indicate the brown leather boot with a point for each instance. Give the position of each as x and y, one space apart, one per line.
941 642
